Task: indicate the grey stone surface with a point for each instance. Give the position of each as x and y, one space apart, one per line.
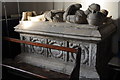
89 38
69 30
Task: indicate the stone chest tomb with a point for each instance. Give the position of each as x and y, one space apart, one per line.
95 42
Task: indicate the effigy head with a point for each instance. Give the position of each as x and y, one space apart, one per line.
78 6
95 7
105 12
92 7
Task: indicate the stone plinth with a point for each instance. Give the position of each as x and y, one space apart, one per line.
94 41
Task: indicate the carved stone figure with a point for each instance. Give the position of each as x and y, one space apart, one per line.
107 20
78 18
95 7
71 10
96 18
54 15
37 18
26 15
105 12
92 16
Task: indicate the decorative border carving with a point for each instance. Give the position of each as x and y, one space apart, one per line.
88 56
56 53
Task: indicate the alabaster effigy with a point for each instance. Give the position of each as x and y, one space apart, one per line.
94 15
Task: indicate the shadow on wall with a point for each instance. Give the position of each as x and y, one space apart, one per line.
18 7
10 8
36 6
116 37
119 37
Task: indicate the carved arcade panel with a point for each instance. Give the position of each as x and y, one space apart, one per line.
88 56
